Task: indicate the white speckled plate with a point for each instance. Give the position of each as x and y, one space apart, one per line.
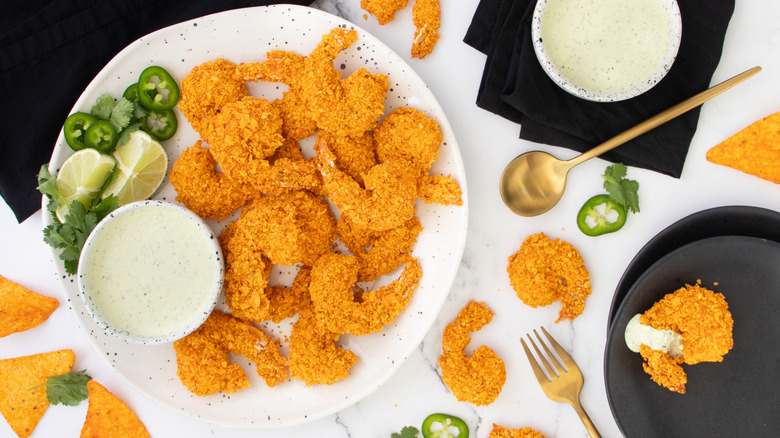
246 35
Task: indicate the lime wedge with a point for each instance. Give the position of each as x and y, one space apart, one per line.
141 166
81 177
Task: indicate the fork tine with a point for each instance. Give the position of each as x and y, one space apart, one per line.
567 360
550 371
558 366
540 376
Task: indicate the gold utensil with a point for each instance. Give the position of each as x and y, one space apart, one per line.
533 182
563 384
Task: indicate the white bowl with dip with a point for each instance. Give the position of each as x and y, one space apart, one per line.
606 50
151 272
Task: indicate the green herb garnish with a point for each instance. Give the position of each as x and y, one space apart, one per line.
621 190
67 389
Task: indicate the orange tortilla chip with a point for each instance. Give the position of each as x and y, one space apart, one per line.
22 309
108 416
754 150
22 407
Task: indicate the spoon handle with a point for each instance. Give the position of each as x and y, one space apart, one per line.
663 117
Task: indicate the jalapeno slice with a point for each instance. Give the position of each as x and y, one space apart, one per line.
131 93
75 127
601 215
444 426
157 90
102 136
160 124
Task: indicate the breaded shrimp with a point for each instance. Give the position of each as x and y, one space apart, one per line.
243 135
543 271
353 155
202 356
247 272
204 190
409 136
379 252
426 15
344 107
314 356
289 228
207 88
505 432
286 303
478 378
387 200
383 10
287 68
332 280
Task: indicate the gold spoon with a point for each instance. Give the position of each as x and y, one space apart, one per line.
534 182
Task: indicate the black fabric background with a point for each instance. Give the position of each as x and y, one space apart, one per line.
515 86
49 52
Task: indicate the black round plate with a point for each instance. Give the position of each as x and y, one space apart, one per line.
737 397
735 220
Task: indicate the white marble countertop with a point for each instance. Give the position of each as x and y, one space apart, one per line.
487 143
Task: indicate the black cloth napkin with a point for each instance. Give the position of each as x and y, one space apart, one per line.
515 86
49 53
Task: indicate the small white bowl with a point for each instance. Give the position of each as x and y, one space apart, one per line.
151 272
606 50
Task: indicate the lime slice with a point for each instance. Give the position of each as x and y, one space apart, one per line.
141 166
81 177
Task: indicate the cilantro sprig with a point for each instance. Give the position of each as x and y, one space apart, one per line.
67 389
621 190
406 432
71 235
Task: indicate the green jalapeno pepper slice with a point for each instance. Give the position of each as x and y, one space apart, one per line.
131 93
444 426
102 136
601 215
157 90
160 124
75 127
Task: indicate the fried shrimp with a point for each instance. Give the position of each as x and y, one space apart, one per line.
426 16
202 356
387 200
286 303
287 68
314 356
505 432
543 271
353 155
289 228
332 280
247 272
476 379
344 107
204 190
383 10
407 135
207 88
243 135
379 253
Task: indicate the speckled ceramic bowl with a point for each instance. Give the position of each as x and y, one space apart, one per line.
606 50
151 272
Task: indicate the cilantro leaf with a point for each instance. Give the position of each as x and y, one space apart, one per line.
47 184
623 191
121 114
406 432
124 136
67 389
103 106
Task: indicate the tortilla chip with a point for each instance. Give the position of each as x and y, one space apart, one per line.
21 407
108 416
22 309
754 150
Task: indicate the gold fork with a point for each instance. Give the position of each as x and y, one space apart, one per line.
564 384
